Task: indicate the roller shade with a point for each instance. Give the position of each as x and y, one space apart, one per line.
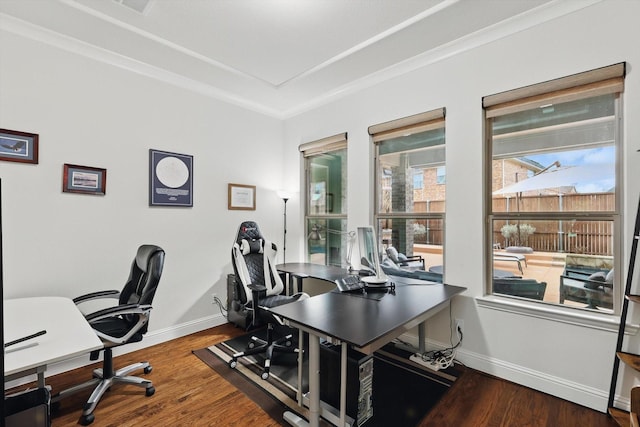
601 81
324 145
422 122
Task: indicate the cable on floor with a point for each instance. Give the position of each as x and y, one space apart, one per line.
223 308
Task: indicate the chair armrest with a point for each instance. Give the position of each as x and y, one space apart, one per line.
141 311
589 284
117 311
413 258
256 291
257 288
96 295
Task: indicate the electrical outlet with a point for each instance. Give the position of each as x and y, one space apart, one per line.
459 325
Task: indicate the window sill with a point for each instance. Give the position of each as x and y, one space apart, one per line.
605 322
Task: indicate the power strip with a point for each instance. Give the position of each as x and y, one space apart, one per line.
418 359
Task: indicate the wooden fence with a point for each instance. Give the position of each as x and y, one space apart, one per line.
575 236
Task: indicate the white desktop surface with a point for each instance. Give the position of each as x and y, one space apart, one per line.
68 333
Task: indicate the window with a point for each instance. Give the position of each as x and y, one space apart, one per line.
410 218
440 174
325 165
555 200
418 180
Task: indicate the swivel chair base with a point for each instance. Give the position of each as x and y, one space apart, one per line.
103 379
268 347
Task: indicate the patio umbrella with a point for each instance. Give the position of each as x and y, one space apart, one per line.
602 175
569 176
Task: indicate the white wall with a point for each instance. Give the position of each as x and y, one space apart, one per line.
570 361
92 114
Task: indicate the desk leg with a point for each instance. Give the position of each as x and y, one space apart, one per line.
300 363
41 383
314 388
343 384
421 338
314 380
290 284
298 280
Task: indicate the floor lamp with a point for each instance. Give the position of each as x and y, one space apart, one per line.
285 198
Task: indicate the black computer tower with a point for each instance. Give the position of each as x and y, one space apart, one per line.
359 381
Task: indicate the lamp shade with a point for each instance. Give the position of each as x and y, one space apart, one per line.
284 195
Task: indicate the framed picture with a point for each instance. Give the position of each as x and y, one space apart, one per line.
16 146
170 179
242 197
84 180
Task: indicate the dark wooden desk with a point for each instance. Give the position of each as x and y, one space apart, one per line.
364 323
302 270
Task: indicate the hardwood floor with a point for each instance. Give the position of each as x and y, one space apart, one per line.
189 393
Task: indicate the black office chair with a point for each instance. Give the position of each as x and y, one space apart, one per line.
124 323
258 288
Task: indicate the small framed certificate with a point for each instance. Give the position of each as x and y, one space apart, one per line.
242 197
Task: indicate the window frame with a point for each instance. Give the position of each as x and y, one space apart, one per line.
308 151
606 80
418 123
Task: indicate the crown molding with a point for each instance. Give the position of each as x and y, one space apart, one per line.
516 24
506 28
79 47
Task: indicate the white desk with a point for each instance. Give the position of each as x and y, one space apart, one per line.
68 335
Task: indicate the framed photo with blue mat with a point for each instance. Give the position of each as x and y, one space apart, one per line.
17 146
84 180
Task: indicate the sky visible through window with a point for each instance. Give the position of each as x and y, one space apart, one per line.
600 161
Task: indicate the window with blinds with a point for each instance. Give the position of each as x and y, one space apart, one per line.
410 190
325 165
554 200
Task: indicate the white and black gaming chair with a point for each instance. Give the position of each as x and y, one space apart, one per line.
259 288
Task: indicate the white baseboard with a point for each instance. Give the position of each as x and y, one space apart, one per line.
150 339
562 388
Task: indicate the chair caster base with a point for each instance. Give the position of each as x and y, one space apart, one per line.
150 391
85 420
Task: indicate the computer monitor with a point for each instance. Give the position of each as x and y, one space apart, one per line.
369 255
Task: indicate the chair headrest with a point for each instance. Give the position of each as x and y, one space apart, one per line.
248 231
145 252
392 253
252 246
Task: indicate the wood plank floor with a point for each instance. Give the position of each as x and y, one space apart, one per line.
188 393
